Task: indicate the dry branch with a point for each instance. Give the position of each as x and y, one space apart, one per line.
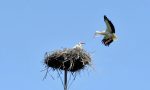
68 59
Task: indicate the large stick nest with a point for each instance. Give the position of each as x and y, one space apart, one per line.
68 59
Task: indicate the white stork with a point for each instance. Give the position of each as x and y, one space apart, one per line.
79 45
109 33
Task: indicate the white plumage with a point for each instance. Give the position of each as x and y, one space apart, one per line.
109 33
79 45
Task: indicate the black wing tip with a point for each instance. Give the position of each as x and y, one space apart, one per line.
105 17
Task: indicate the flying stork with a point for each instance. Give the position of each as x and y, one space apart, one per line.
109 33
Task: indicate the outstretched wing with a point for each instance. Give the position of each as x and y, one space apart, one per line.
110 26
107 41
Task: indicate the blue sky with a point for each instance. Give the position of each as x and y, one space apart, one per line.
29 28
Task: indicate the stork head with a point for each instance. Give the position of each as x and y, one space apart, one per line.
114 36
79 45
82 43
